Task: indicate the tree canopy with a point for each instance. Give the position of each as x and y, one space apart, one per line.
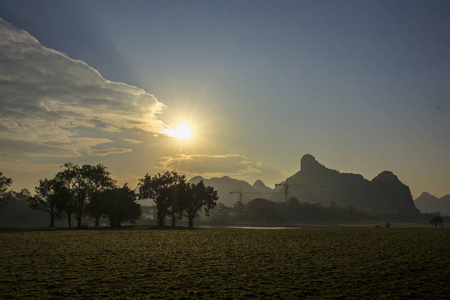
46 198
117 204
198 197
83 182
174 196
437 220
166 191
5 183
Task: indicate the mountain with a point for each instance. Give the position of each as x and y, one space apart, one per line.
229 189
427 203
262 188
316 183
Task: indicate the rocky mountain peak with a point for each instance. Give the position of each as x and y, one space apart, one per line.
387 177
261 187
259 183
425 194
309 163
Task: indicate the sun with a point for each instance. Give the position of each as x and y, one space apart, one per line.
182 132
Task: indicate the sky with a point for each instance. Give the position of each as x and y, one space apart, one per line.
364 86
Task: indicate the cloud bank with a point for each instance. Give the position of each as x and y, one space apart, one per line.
52 105
237 166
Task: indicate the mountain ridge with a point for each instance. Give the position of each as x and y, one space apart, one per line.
229 189
315 183
428 203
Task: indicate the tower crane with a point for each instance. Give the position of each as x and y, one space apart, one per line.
241 193
286 187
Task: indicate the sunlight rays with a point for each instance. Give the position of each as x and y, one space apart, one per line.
182 132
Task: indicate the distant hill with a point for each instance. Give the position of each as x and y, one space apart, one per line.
262 188
225 185
316 183
427 203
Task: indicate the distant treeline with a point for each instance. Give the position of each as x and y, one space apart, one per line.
90 194
265 212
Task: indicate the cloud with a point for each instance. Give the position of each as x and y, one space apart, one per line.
22 165
132 141
108 151
52 105
31 149
234 165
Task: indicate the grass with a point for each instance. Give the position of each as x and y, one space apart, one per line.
233 263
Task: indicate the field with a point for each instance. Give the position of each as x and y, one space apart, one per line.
228 263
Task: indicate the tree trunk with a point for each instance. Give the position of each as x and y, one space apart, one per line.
79 222
191 222
173 221
69 219
52 220
160 218
80 212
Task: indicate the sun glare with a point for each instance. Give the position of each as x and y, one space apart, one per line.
182 132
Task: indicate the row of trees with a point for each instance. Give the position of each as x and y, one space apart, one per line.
292 212
437 220
262 211
90 191
70 192
175 197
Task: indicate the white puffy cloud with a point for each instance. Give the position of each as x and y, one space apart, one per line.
52 105
234 165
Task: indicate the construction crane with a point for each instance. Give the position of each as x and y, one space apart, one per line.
286 187
241 192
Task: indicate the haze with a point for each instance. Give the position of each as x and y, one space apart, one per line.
362 85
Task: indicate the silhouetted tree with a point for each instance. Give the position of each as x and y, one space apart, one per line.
5 183
83 182
176 199
118 205
17 212
96 207
221 213
437 220
66 202
240 211
46 199
198 197
292 208
161 188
